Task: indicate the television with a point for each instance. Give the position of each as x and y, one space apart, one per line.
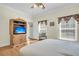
20 29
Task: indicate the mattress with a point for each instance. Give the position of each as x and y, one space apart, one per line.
51 47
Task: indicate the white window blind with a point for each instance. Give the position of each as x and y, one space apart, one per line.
68 31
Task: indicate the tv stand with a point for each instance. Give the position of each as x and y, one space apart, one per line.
16 38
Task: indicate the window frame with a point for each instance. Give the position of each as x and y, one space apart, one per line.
61 38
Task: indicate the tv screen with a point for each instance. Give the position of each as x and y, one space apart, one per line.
19 30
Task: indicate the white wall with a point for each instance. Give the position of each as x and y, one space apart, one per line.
53 32
7 13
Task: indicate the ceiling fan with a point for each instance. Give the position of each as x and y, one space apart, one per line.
38 5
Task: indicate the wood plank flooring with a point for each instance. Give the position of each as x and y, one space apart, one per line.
9 51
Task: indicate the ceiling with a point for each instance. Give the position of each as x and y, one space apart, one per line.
26 7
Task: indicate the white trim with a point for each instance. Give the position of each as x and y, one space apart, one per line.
76 30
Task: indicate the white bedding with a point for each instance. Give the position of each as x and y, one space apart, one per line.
51 47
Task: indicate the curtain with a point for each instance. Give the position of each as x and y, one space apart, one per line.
67 18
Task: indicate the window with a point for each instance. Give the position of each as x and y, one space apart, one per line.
42 26
68 31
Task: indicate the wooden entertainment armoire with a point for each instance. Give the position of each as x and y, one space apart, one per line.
17 39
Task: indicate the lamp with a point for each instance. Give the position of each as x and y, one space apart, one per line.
38 5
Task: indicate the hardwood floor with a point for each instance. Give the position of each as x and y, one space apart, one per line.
9 51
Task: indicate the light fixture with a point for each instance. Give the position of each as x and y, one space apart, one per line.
38 5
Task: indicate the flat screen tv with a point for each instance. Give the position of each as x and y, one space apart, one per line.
19 29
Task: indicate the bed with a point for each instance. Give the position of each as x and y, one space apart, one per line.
51 47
